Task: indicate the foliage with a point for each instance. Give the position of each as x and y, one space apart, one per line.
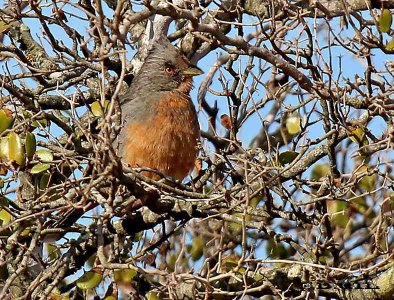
292 196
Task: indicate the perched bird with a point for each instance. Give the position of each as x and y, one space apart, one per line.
160 127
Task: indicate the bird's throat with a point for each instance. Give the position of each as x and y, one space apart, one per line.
185 85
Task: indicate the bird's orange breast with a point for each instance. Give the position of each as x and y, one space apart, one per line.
167 141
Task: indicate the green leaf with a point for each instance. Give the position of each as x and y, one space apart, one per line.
26 114
91 260
287 157
89 280
339 214
39 168
41 122
358 136
56 295
4 201
15 148
367 182
97 108
230 262
360 205
390 45
152 296
26 231
383 244
320 171
138 236
235 228
5 217
4 147
44 155
277 250
30 144
124 275
6 119
385 20
4 26
197 249
53 251
293 123
171 260
44 179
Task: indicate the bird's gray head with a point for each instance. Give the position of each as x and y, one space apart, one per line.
167 69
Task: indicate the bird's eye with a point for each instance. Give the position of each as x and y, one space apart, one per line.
169 69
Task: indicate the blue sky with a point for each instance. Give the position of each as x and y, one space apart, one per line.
351 65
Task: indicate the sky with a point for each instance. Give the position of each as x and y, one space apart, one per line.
351 65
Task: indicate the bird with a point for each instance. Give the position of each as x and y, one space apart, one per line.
160 129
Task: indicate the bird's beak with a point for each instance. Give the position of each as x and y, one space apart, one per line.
192 71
